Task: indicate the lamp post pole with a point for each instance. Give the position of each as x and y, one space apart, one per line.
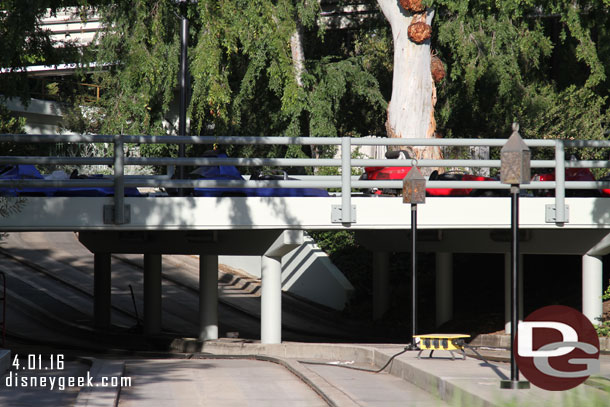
514 170
413 270
184 31
413 192
514 280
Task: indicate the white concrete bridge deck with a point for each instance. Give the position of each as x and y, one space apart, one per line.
372 213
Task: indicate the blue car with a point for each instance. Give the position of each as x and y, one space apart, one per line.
27 171
229 172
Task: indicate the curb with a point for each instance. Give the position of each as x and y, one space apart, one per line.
503 341
101 396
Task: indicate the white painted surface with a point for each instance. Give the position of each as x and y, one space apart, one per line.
308 272
271 300
592 288
173 213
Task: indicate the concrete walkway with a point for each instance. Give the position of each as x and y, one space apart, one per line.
469 382
214 382
233 373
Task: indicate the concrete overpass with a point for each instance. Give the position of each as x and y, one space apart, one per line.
272 226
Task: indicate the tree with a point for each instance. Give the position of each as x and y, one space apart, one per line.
258 68
23 43
541 63
266 67
411 108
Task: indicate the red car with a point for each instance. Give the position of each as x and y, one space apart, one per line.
398 173
571 174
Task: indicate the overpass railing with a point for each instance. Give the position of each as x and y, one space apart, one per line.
345 182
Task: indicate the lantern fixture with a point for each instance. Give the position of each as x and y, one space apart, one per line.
414 186
515 159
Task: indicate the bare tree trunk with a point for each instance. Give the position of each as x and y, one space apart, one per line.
298 55
411 108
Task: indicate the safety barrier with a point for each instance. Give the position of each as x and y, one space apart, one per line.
345 182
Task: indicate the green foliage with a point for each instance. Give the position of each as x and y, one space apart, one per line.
142 36
10 124
606 295
334 242
540 63
243 76
603 329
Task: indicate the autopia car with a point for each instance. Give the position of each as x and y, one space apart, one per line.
398 173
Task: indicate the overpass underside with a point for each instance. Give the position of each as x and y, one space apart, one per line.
271 227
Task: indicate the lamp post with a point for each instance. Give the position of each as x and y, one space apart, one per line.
514 170
414 192
183 78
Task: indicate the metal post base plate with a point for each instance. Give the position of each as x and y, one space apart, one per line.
514 384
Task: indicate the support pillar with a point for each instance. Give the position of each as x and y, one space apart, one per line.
101 290
271 300
271 282
592 287
444 287
507 293
381 284
152 294
208 297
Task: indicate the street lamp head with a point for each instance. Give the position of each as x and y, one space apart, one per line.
515 159
414 187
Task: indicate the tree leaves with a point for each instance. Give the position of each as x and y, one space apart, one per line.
243 77
541 63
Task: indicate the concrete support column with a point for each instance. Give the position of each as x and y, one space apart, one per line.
444 287
271 300
208 297
592 287
152 293
101 290
381 284
507 294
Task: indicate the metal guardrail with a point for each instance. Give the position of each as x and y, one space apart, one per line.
345 182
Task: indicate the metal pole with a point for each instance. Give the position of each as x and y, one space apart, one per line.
183 88
560 186
119 181
514 263
413 270
346 189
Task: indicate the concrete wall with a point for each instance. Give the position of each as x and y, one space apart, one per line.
306 271
42 116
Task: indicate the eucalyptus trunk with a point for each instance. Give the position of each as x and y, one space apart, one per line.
411 108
